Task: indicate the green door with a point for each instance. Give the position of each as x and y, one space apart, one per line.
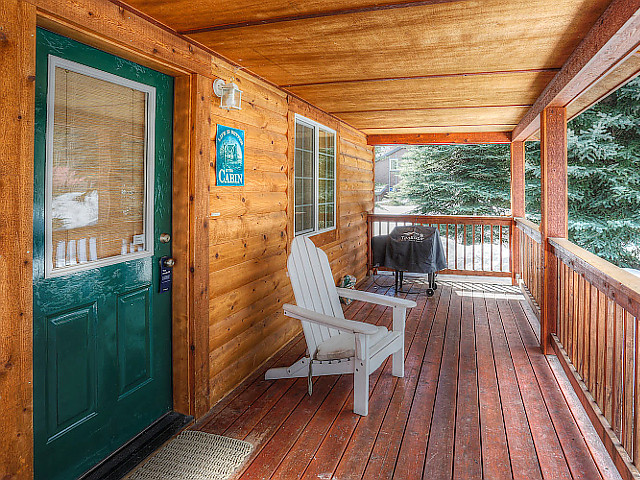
102 330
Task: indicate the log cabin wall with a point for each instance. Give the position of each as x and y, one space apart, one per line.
251 228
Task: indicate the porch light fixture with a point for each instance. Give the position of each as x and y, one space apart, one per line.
229 93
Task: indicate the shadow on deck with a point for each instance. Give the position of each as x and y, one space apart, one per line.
478 400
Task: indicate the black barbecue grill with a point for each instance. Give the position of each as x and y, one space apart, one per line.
414 249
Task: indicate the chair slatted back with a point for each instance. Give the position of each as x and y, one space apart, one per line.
313 287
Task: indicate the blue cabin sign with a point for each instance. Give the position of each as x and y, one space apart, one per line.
229 156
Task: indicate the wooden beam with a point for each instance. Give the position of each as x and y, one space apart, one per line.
17 103
439 138
200 188
554 221
517 179
306 16
517 201
612 39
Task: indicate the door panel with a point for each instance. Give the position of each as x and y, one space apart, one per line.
71 373
134 352
102 197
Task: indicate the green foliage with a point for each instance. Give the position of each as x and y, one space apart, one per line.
603 171
604 178
457 180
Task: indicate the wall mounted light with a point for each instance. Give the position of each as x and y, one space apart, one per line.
229 93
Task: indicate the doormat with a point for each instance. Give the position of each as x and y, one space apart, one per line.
194 455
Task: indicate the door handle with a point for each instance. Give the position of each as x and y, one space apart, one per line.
169 262
165 238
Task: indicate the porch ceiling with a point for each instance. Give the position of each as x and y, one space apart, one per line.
415 66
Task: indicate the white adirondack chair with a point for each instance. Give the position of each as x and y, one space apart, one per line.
337 345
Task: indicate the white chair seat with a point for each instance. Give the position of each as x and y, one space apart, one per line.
344 345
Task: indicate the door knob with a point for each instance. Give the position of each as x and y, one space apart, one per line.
169 262
165 238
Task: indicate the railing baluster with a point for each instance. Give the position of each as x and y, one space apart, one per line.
455 244
627 387
482 247
446 236
464 242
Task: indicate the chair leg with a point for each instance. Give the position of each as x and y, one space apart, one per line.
397 363
361 388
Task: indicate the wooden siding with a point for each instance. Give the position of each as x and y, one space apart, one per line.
252 226
17 75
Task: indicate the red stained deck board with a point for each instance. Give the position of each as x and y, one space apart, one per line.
387 445
356 456
524 461
472 366
571 439
468 458
550 456
412 454
496 463
439 457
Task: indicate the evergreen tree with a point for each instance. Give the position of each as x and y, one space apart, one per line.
604 178
603 171
457 179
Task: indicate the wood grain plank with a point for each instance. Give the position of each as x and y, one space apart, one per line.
523 342
17 102
495 464
524 460
468 451
411 457
388 443
440 448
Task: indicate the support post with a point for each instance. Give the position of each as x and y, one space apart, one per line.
554 222
517 204
17 104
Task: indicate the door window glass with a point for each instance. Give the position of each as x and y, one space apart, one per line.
99 177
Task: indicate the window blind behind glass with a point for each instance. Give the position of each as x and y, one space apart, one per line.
98 168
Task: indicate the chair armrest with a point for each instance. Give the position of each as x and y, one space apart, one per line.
375 298
351 326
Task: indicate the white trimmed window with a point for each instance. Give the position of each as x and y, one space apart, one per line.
315 177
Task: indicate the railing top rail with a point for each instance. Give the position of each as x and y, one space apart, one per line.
618 284
443 219
529 228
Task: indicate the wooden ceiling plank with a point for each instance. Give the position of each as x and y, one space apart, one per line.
614 37
440 117
421 77
436 92
398 44
312 15
439 138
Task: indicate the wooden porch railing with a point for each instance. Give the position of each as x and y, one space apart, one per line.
597 336
473 245
530 259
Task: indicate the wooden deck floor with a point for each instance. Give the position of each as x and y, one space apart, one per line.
478 400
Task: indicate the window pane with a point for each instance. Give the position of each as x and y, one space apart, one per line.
326 180
304 179
97 180
325 216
